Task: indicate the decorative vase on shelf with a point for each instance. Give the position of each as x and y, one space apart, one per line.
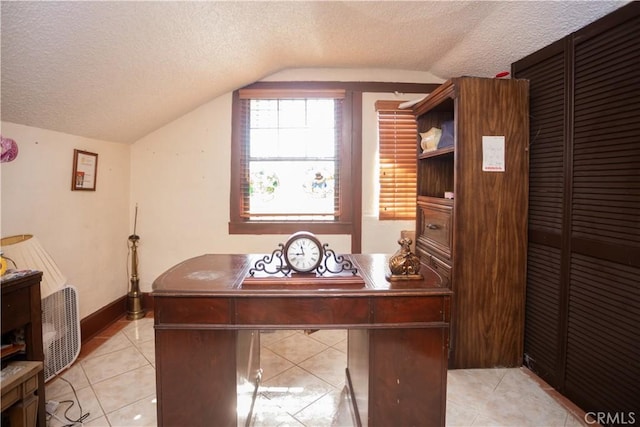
430 139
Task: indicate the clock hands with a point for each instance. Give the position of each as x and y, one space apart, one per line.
301 250
305 255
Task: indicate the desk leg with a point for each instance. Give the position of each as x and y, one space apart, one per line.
399 376
358 374
248 373
196 377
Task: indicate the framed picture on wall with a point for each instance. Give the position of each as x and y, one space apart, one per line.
85 171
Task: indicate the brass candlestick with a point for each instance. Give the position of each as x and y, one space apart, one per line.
134 297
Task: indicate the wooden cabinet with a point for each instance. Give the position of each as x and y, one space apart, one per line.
20 403
583 296
21 309
477 241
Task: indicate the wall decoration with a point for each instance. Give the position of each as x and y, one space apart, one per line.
9 149
319 182
264 184
85 170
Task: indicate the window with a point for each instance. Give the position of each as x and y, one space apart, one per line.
397 131
291 161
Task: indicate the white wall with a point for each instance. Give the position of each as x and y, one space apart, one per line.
85 232
180 179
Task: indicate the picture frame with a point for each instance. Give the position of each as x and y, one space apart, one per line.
85 171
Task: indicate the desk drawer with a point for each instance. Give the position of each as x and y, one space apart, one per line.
9 397
31 384
192 310
435 230
409 309
301 311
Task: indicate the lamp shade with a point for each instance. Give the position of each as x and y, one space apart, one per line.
28 254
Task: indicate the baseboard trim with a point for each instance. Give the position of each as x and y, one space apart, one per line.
91 325
97 321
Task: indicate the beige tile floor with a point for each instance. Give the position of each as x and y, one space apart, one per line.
303 381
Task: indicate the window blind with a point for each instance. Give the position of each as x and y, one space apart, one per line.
397 130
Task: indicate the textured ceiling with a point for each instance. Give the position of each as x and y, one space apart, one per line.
118 70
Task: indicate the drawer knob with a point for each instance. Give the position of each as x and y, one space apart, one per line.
432 226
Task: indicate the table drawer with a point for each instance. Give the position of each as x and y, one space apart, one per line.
19 384
11 396
31 384
435 229
191 310
409 309
301 311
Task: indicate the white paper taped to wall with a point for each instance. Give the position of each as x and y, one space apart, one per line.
493 154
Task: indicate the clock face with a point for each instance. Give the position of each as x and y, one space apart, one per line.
303 252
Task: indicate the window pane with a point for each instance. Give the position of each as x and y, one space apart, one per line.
292 128
293 142
264 143
321 113
292 113
292 188
264 113
321 143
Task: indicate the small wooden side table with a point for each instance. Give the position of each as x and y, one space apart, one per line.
19 384
21 309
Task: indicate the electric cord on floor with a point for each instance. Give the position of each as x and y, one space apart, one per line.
69 422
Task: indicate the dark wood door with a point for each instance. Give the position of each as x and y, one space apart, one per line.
583 280
603 269
544 314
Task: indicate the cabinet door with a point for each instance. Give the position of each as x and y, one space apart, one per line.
583 300
603 336
547 165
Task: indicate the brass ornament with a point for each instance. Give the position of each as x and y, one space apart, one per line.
404 264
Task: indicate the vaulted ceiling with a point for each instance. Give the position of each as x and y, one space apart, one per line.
118 70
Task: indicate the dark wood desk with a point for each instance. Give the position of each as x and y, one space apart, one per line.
21 308
207 340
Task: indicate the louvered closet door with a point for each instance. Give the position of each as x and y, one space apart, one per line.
546 173
603 330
